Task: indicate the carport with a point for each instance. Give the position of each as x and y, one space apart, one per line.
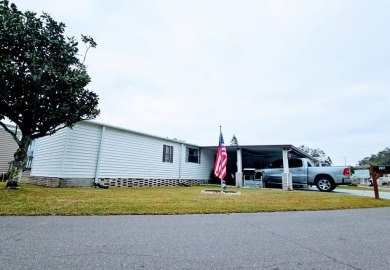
242 157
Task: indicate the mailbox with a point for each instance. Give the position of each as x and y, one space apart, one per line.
382 169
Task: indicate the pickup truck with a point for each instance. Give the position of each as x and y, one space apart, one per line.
303 172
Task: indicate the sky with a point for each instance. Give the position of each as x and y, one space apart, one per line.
300 72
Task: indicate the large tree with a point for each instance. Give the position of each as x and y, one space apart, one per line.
42 79
317 154
382 158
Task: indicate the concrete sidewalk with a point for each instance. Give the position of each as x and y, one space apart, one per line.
384 193
367 193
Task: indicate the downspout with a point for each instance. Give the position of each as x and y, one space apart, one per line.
180 161
99 156
63 153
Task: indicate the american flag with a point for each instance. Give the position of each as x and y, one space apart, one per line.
221 159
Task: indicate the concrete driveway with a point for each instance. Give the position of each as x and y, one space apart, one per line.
345 239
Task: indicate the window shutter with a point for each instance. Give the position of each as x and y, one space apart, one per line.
199 156
164 151
171 157
187 153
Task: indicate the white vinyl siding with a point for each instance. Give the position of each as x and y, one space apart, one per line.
69 153
48 155
82 149
74 153
133 155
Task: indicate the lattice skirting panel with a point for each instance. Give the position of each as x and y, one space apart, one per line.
113 182
139 182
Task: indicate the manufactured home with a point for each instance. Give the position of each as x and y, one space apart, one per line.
92 152
95 153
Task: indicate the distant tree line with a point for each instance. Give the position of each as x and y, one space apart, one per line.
318 154
382 158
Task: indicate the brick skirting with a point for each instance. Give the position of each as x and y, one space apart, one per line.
60 182
112 182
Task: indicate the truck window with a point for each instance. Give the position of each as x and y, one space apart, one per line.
295 163
276 164
292 163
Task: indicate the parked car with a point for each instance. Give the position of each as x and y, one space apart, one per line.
381 181
303 172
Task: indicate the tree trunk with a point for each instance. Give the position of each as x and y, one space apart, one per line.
19 163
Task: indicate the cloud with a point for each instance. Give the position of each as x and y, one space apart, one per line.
299 72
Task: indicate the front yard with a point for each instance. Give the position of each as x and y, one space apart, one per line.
35 200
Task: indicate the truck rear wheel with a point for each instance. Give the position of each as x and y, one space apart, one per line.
325 184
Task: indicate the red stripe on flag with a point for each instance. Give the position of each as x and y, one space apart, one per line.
220 160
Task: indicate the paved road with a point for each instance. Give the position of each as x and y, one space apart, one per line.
345 239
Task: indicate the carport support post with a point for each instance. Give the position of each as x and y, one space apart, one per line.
239 168
286 175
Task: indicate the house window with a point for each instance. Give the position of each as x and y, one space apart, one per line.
167 153
193 155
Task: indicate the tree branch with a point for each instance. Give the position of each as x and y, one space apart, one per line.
89 43
14 135
43 134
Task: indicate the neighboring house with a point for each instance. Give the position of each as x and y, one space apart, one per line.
8 147
95 152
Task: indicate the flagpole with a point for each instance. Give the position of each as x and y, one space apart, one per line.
221 160
220 165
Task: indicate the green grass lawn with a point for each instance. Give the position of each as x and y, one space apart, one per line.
35 200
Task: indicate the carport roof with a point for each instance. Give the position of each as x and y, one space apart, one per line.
264 150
